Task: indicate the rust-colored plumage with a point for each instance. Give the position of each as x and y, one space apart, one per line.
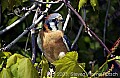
52 42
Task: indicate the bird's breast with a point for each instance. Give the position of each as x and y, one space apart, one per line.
53 44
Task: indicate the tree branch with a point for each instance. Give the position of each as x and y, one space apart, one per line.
56 2
80 30
26 31
66 21
59 7
90 32
33 37
105 25
19 20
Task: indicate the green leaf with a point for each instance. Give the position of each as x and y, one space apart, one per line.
3 58
14 70
1 63
11 4
87 39
95 68
81 3
94 4
21 67
45 67
4 4
18 2
26 69
68 67
7 54
117 59
105 67
5 73
13 59
24 0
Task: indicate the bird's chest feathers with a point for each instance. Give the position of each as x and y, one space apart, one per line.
53 38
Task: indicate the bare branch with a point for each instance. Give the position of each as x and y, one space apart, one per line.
18 21
66 21
56 2
90 32
59 7
105 25
80 30
99 40
25 31
33 37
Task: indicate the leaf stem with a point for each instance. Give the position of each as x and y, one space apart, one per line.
83 69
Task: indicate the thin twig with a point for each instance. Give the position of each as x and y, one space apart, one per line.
105 25
25 31
80 30
28 9
80 18
99 40
114 47
67 19
59 8
26 44
18 21
40 2
33 37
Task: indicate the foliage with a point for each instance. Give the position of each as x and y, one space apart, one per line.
67 66
88 60
18 66
94 4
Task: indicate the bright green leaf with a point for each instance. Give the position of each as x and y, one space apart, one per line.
3 58
94 4
14 70
117 59
7 54
26 69
45 67
67 66
5 73
81 3
1 63
13 59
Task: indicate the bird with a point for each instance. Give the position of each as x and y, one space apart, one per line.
51 39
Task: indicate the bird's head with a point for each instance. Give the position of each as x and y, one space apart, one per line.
53 22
